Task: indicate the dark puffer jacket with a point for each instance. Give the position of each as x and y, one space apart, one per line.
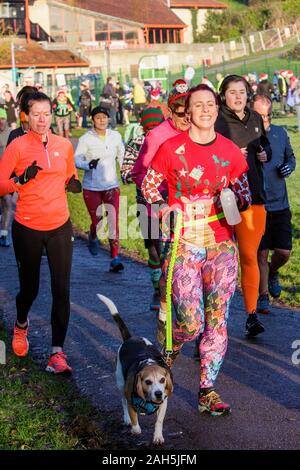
247 132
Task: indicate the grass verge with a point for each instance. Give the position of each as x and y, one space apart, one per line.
39 411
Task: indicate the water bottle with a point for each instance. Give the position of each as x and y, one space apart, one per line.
229 206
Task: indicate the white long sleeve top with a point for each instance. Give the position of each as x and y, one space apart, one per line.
109 149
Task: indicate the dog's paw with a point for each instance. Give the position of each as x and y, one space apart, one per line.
158 439
136 429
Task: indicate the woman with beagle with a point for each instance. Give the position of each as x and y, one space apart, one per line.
197 165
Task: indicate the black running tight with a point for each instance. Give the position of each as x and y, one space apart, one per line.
28 246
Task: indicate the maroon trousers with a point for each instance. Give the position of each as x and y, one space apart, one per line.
99 204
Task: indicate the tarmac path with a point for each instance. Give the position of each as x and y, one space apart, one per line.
258 377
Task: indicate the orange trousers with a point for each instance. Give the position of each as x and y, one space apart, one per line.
249 233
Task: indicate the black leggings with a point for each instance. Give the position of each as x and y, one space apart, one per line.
28 246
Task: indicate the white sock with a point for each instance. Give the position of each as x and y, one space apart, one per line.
22 325
56 349
3 233
162 315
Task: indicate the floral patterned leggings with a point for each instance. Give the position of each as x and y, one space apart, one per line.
204 281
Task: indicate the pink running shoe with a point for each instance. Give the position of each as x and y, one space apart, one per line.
57 364
213 404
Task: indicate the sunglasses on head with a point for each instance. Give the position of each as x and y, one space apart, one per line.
182 114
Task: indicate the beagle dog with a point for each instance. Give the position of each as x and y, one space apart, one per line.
143 378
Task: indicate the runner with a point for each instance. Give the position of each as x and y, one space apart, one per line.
278 234
244 127
171 127
44 165
197 165
96 154
150 118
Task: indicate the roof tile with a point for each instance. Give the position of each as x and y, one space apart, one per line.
152 12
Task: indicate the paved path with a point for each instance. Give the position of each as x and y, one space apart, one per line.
257 378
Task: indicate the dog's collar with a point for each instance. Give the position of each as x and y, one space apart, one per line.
143 407
144 363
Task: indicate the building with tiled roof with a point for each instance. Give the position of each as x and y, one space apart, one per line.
22 63
185 9
131 22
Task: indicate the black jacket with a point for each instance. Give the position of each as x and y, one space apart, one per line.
247 132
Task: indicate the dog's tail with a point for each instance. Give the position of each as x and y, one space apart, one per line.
114 311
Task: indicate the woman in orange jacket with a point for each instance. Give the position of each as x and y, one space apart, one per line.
40 167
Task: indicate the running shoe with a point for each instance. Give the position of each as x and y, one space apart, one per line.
263 304
116 265
253 326
20 343
4 241
213 404
57 364
274 286
93 246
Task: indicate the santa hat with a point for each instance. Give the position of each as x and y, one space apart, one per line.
60 91
263 76
290 73
155 94
180 90
151 117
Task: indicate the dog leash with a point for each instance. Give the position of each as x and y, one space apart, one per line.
169 341
174 249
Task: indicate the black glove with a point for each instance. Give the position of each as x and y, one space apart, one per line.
73 186
284 170
30 172
93 164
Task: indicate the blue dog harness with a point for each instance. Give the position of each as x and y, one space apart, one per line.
143 407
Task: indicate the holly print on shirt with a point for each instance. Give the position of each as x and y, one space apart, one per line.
196 174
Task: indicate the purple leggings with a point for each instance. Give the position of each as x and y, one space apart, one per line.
204 281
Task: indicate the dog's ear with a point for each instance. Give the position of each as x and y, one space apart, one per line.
169 384
139 387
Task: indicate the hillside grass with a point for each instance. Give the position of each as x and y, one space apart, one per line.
237 5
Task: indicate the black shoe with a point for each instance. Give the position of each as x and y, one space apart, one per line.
253 326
